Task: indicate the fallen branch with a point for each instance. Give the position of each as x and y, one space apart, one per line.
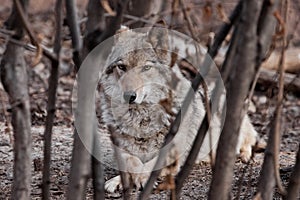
291 63
269 77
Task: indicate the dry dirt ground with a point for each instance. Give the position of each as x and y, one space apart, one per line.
197 184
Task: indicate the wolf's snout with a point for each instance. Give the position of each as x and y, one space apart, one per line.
129 96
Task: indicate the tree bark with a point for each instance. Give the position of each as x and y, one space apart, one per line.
241 76
269 175
294 184
75 32
53 83
144 9
14 78
80 168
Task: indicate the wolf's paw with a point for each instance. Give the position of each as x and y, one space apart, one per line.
113 184
245 156
140 180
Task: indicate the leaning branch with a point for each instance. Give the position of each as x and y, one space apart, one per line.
29 31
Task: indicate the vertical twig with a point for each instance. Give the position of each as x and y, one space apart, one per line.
278 112
53 82
75 32
188 20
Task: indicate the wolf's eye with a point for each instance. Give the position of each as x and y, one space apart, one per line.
122 67
146 67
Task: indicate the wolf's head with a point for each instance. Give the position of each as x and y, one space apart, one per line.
137 70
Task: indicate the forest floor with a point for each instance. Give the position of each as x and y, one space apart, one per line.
197 184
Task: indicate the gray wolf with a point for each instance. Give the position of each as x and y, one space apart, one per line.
141 94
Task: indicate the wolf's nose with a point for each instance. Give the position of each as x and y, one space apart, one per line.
129 96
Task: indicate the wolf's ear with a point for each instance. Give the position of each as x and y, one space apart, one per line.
119 33
158 38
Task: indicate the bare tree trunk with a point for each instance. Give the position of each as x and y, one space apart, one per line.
75 32
97 174
294 184
53 82
80 169
95 26
243 73
146 9
14 78
270 172
81 158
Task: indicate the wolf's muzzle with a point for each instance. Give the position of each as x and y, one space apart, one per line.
129 96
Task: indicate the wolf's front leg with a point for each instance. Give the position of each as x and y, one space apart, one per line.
136 170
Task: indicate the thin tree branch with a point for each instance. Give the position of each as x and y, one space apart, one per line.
48 54
53 82
279 106
29 31
75 32
188 20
